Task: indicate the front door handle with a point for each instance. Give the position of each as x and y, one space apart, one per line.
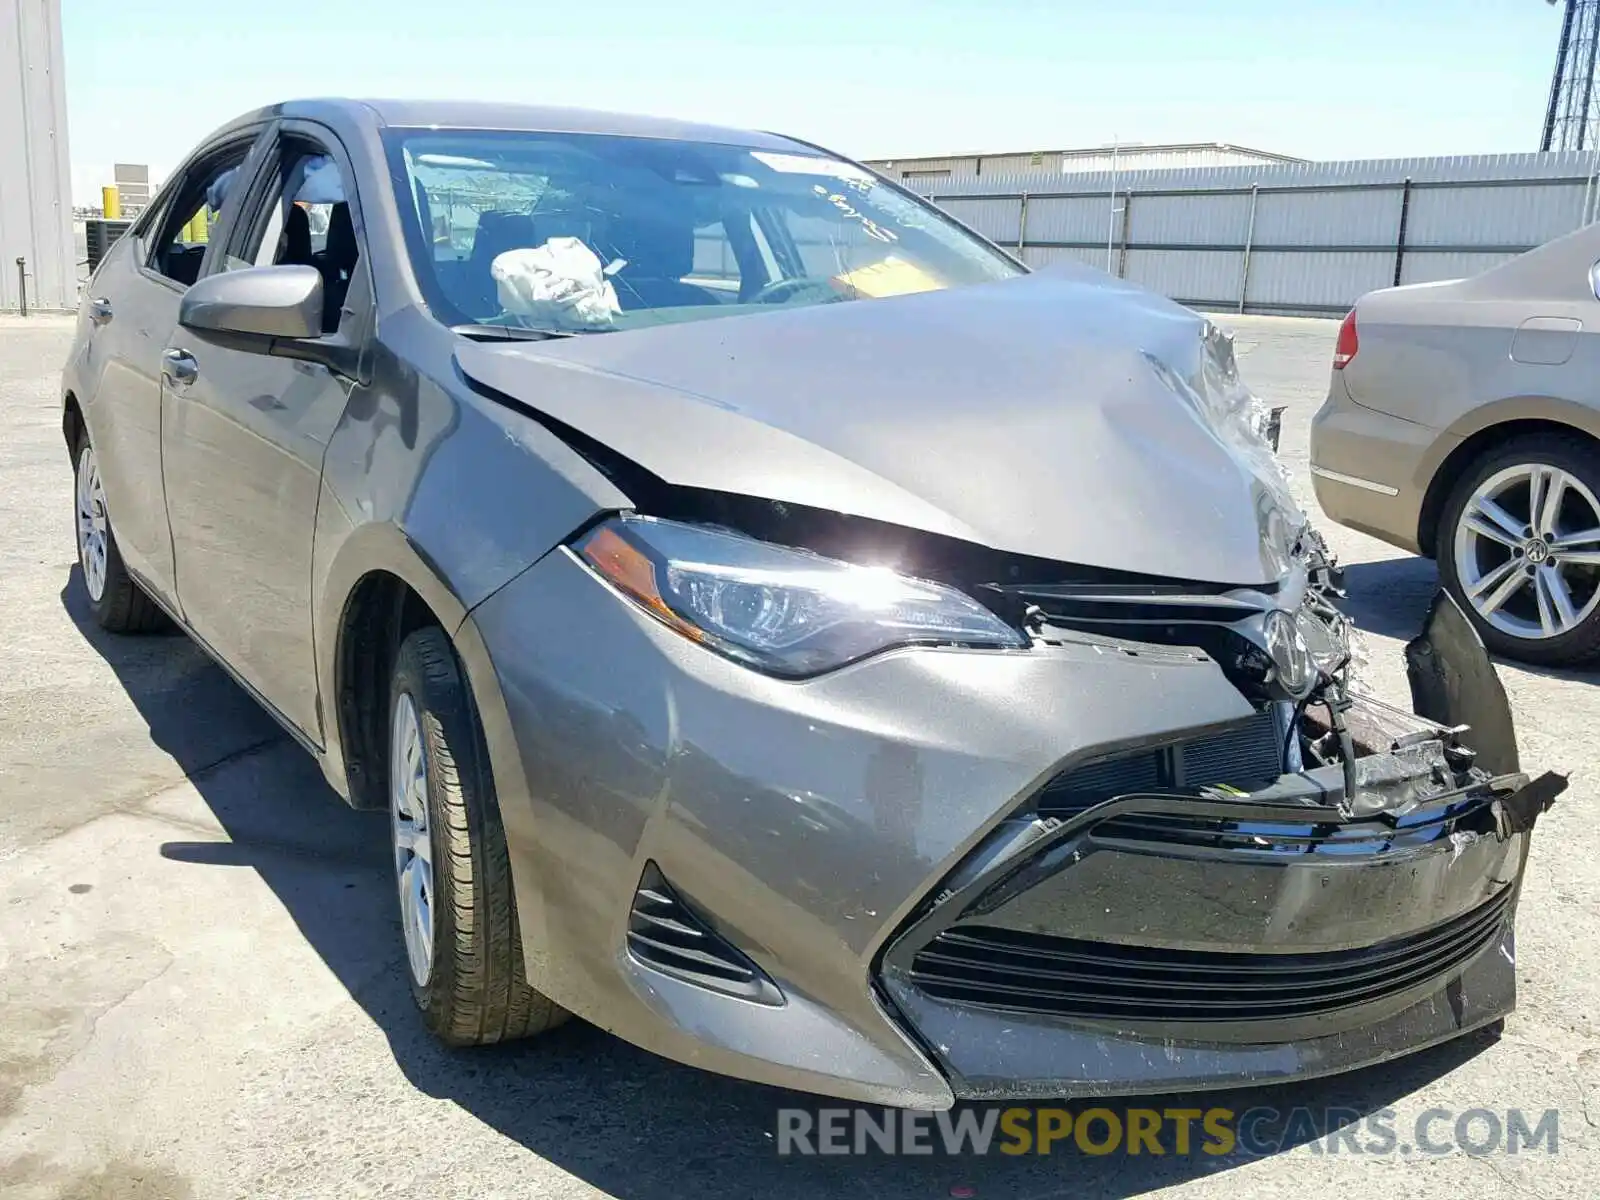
100 310
179 367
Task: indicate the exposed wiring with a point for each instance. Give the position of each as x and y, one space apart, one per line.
1339 702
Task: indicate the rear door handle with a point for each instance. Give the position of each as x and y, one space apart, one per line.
100 310
179 367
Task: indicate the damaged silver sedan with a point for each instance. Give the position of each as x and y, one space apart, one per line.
780 628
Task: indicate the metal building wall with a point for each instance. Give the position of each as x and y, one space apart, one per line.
1298 238
1048 162
35 171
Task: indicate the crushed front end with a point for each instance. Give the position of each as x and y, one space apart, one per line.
1139 832
1328 883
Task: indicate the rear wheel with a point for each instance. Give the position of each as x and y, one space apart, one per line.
115 600
457 910
1519 547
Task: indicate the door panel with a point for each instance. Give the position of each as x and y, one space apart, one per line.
122 373
244 443
244 432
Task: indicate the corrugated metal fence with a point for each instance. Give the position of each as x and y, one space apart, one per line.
1306 238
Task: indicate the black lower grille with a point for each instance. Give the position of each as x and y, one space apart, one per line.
1246 757
1019 972
665 933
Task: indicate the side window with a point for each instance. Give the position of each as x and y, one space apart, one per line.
301 217
190 221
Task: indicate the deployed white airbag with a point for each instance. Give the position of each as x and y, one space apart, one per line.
560 283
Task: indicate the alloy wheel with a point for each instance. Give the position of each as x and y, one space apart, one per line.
413 845
92 524
1527 551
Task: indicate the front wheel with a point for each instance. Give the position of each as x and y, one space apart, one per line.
457 911
1519 547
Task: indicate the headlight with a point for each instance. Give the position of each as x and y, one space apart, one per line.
781 610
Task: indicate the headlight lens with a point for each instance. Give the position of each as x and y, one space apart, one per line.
785 611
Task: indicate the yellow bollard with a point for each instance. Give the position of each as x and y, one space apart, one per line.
111 203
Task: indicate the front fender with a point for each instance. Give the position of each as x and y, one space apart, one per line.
445 490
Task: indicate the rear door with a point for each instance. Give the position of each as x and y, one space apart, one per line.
132 308
245 430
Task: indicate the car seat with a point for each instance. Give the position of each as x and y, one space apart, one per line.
337 262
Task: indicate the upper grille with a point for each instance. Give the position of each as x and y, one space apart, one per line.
1100 981
666 934
1246 758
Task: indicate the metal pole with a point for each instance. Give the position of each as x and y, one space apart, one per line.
1400 236
1591 187
1122 255
1585 113
1111 217
1022 227
1249 240
22 285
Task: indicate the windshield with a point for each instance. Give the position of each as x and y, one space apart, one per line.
591 233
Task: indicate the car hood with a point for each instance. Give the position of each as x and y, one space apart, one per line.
1062 415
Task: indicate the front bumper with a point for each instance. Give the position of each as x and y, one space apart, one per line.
1134 949
831 830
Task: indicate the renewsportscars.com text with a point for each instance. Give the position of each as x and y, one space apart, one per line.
1214 1132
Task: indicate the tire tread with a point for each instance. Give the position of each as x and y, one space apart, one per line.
478 993
124 606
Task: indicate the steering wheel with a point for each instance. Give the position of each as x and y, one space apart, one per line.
781 291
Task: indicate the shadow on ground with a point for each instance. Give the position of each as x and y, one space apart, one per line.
1390 597
626 1122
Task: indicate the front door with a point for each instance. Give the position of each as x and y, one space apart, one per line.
245 432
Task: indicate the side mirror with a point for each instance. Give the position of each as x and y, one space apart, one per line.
278 302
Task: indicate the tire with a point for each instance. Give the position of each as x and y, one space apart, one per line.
116 602
1538 632
468 980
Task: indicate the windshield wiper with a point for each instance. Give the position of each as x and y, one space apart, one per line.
510 333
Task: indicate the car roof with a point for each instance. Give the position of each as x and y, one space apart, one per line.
482 114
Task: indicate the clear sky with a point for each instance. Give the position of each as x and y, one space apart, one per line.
871 78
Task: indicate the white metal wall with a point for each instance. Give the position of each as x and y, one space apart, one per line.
1303 237
35 172
962 167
